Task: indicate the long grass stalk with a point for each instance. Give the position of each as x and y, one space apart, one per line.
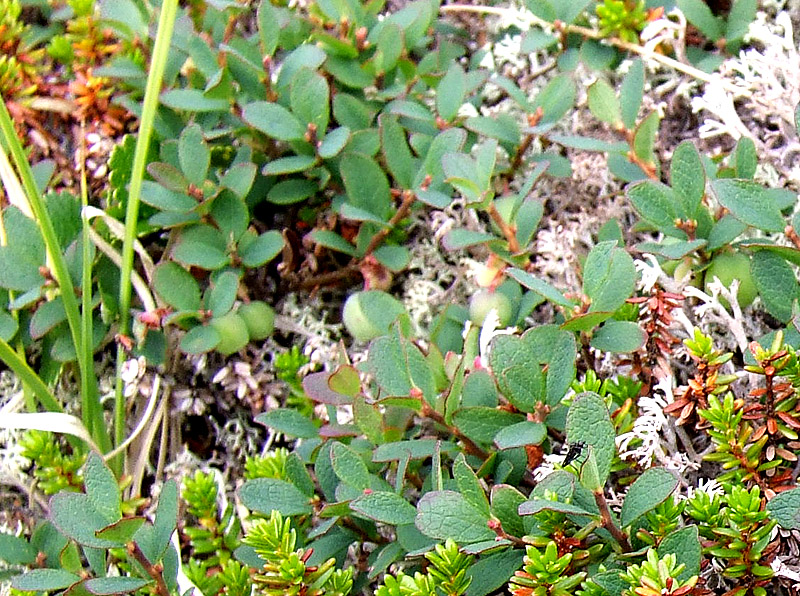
166 22
91 410
85 350
29 377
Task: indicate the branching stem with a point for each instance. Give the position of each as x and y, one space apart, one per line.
608 522
153 570
509 232
594 34
469 445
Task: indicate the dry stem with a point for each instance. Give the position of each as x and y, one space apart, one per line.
593 34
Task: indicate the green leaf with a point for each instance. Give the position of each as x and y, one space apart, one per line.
169 177
520 434
268 27
200 339
333 241
394 258
750 203
535 39
539 286
75 516
294 190
274 121
685 545
16 551
349 467
725 231
105 586
448 141
491 572
47 317
154 539
366 184
18 271
102 489
309 99
416 449
523 385
399 366
619 337
604 104
784 508
502 127
448 514
289 422
450 92
557 349
598 56
631 92
776 283
349 73
368 419
789 253
176 286
482 423
469 486
122 531
194 154
586 321
231 215
265 495
672 251
262 249
193 100
645 137
613 582
688 177
647 492
505 507
745 158
44 580
202 246
334 142
699 14
537 505
655 203
394 146
459 238
385 507
555 99
222 293
390 47
609 276
289 165
588 421
163 198
587 143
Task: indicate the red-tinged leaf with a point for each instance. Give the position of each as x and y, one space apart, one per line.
317 387
789 420
331 431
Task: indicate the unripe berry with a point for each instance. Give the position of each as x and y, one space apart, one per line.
232 332
259 318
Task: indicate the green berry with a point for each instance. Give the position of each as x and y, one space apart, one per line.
370 314
232 332
259 318
484 301
356 321
728 266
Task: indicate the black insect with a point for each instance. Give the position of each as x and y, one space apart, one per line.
574 452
